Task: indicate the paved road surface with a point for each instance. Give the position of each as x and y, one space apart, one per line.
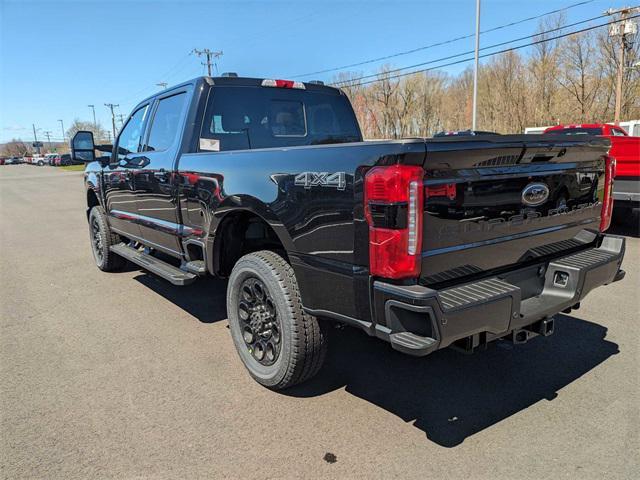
125 376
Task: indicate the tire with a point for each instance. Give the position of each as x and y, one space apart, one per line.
102 238
296 340
40 163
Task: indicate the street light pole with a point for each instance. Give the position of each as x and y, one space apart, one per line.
35 139
62 128
93 107
475 69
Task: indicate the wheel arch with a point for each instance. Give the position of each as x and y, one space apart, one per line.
92 200
239 230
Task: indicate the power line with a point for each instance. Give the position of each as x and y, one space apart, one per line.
455 55
445 42
481 56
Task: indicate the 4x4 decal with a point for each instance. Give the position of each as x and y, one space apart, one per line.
321 179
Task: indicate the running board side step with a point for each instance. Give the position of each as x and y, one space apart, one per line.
154 265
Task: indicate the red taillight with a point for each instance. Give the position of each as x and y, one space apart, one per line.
607 198
394 199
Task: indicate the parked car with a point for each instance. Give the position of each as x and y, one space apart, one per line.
626 151
49 158
13 161
39 160
422 243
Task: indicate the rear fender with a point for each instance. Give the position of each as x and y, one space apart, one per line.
242 204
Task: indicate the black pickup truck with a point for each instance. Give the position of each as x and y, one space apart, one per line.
423 243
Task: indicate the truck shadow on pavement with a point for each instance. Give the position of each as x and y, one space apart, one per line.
205 299
448 395
451 396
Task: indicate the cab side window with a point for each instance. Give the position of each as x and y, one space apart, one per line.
166 121
130 138
617 133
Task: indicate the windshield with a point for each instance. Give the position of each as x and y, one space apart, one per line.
239 117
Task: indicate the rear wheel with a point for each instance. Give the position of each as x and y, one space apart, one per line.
101 240
278 343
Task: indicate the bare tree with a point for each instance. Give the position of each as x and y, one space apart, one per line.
99 133
580 75
16 148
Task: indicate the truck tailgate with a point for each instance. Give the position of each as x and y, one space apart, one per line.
497 201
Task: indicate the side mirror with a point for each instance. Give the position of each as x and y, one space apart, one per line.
82 147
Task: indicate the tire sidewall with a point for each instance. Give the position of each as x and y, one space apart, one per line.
95 214
252 267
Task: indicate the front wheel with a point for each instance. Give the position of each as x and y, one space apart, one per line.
101 240
278 343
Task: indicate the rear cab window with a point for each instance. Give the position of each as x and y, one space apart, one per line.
575 131
249 117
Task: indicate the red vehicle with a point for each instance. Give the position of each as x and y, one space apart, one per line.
626 150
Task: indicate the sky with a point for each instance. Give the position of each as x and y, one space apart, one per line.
57 57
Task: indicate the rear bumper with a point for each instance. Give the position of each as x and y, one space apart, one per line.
418 320
626 191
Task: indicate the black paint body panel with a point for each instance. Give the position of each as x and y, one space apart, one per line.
483 229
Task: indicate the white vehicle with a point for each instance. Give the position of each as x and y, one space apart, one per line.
39 160
632 127
535 130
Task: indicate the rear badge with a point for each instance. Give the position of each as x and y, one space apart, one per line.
321 179
535 194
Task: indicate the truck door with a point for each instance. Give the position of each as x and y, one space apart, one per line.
156 184
119 176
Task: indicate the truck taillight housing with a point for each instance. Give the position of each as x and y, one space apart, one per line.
393 197
607 199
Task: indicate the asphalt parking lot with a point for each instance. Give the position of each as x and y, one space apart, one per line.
125 376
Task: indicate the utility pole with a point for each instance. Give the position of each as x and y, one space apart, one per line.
121 118
111 106
93 107
475 68
163 85
624 29
62 128
35 139
209 54
47 134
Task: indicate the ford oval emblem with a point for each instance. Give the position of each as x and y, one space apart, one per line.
535 194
